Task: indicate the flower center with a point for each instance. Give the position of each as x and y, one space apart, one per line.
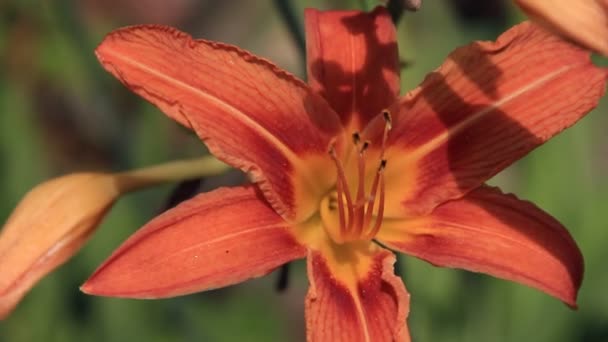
351 218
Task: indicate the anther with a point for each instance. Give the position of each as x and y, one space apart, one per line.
356 138
387 117
388 125
364 147
382 165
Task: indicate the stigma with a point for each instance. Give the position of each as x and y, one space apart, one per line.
360 213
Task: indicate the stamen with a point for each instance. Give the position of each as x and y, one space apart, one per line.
388 125
360 204
380 215
356 138
382 165
387 117
339 191
370 208
364 147
342 189
356 213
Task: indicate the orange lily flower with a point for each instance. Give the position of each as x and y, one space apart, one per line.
344 168
583 21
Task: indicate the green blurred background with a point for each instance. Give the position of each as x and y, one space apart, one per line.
60 112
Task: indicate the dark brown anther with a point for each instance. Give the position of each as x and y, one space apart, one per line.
356 138
382 165
387 117
364 146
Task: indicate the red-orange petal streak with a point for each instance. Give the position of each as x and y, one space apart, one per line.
213 240
250 113
354 300
498 234
488 105
353 61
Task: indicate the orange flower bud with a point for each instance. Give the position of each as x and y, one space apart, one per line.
54 220
48 226
583 21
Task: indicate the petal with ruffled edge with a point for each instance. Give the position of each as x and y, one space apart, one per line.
355 296
250 113
584 21
213 240
352 61
498 234
487 106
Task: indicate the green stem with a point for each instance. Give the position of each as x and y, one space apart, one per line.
137 179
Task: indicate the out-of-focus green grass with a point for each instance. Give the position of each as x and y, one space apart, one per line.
43 56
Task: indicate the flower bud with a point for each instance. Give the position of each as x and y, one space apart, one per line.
48 226
54 220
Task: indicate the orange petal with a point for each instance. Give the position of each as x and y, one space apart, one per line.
48 226
354 296
584 21
487 106
353 61
215 239
489 232
250 113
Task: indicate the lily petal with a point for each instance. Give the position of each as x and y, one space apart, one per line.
487 106
213 240
355 296
251 114
52 222
498 234
584 21
352 61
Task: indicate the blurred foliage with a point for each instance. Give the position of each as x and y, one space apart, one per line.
61 113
